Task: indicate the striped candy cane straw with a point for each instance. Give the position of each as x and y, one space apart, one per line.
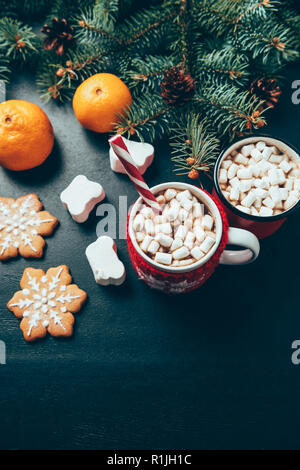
121 151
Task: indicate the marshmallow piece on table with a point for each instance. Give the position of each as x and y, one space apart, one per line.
81 196
103 259
141 152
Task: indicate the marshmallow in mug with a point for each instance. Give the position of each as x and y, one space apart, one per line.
181 235
260 180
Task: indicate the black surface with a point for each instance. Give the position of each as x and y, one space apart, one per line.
211 369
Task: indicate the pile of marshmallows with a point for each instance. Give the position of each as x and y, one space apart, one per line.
183 233
259 180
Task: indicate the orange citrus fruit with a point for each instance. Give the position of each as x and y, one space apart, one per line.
99 99
26 135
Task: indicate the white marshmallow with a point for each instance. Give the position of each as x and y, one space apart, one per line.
243 209
296 185
172 213
139 236
189 240
239 158
197 210
181 253
103 259
138 222
291 200
149 226
223 175
275 194
207 222
247 149
234 194
197 253
187 204
226 164
177 243
260 145
265 211
163 258
147 212
164 228
246 185
285 166
184 195
153 247
232 171
284 193
268 202
81 196
266 153
146 242
249 199
181 232
275 158
199 233
244 173
260 193
170 193
256 154
164 240
207 244
182 215
235 181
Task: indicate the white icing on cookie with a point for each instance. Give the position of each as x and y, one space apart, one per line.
41 300
18 226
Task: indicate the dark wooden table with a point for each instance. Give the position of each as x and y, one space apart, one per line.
211 369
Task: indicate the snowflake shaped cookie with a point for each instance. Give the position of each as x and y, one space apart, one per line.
21 225
46 302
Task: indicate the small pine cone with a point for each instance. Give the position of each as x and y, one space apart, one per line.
177 87
60 36
190 161
193 174
268 90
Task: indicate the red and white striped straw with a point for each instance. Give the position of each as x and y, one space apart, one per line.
121 151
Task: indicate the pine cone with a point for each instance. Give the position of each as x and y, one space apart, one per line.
177 87
60 36
267 89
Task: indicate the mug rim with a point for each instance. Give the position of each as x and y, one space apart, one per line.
208 202
256 218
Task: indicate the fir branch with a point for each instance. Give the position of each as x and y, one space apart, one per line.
223 66
148 71
17 41
148 118
194 145
231 111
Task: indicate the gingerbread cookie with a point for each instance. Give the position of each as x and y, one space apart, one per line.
21 225
46 302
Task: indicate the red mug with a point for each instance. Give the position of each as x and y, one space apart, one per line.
262 227
177 280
